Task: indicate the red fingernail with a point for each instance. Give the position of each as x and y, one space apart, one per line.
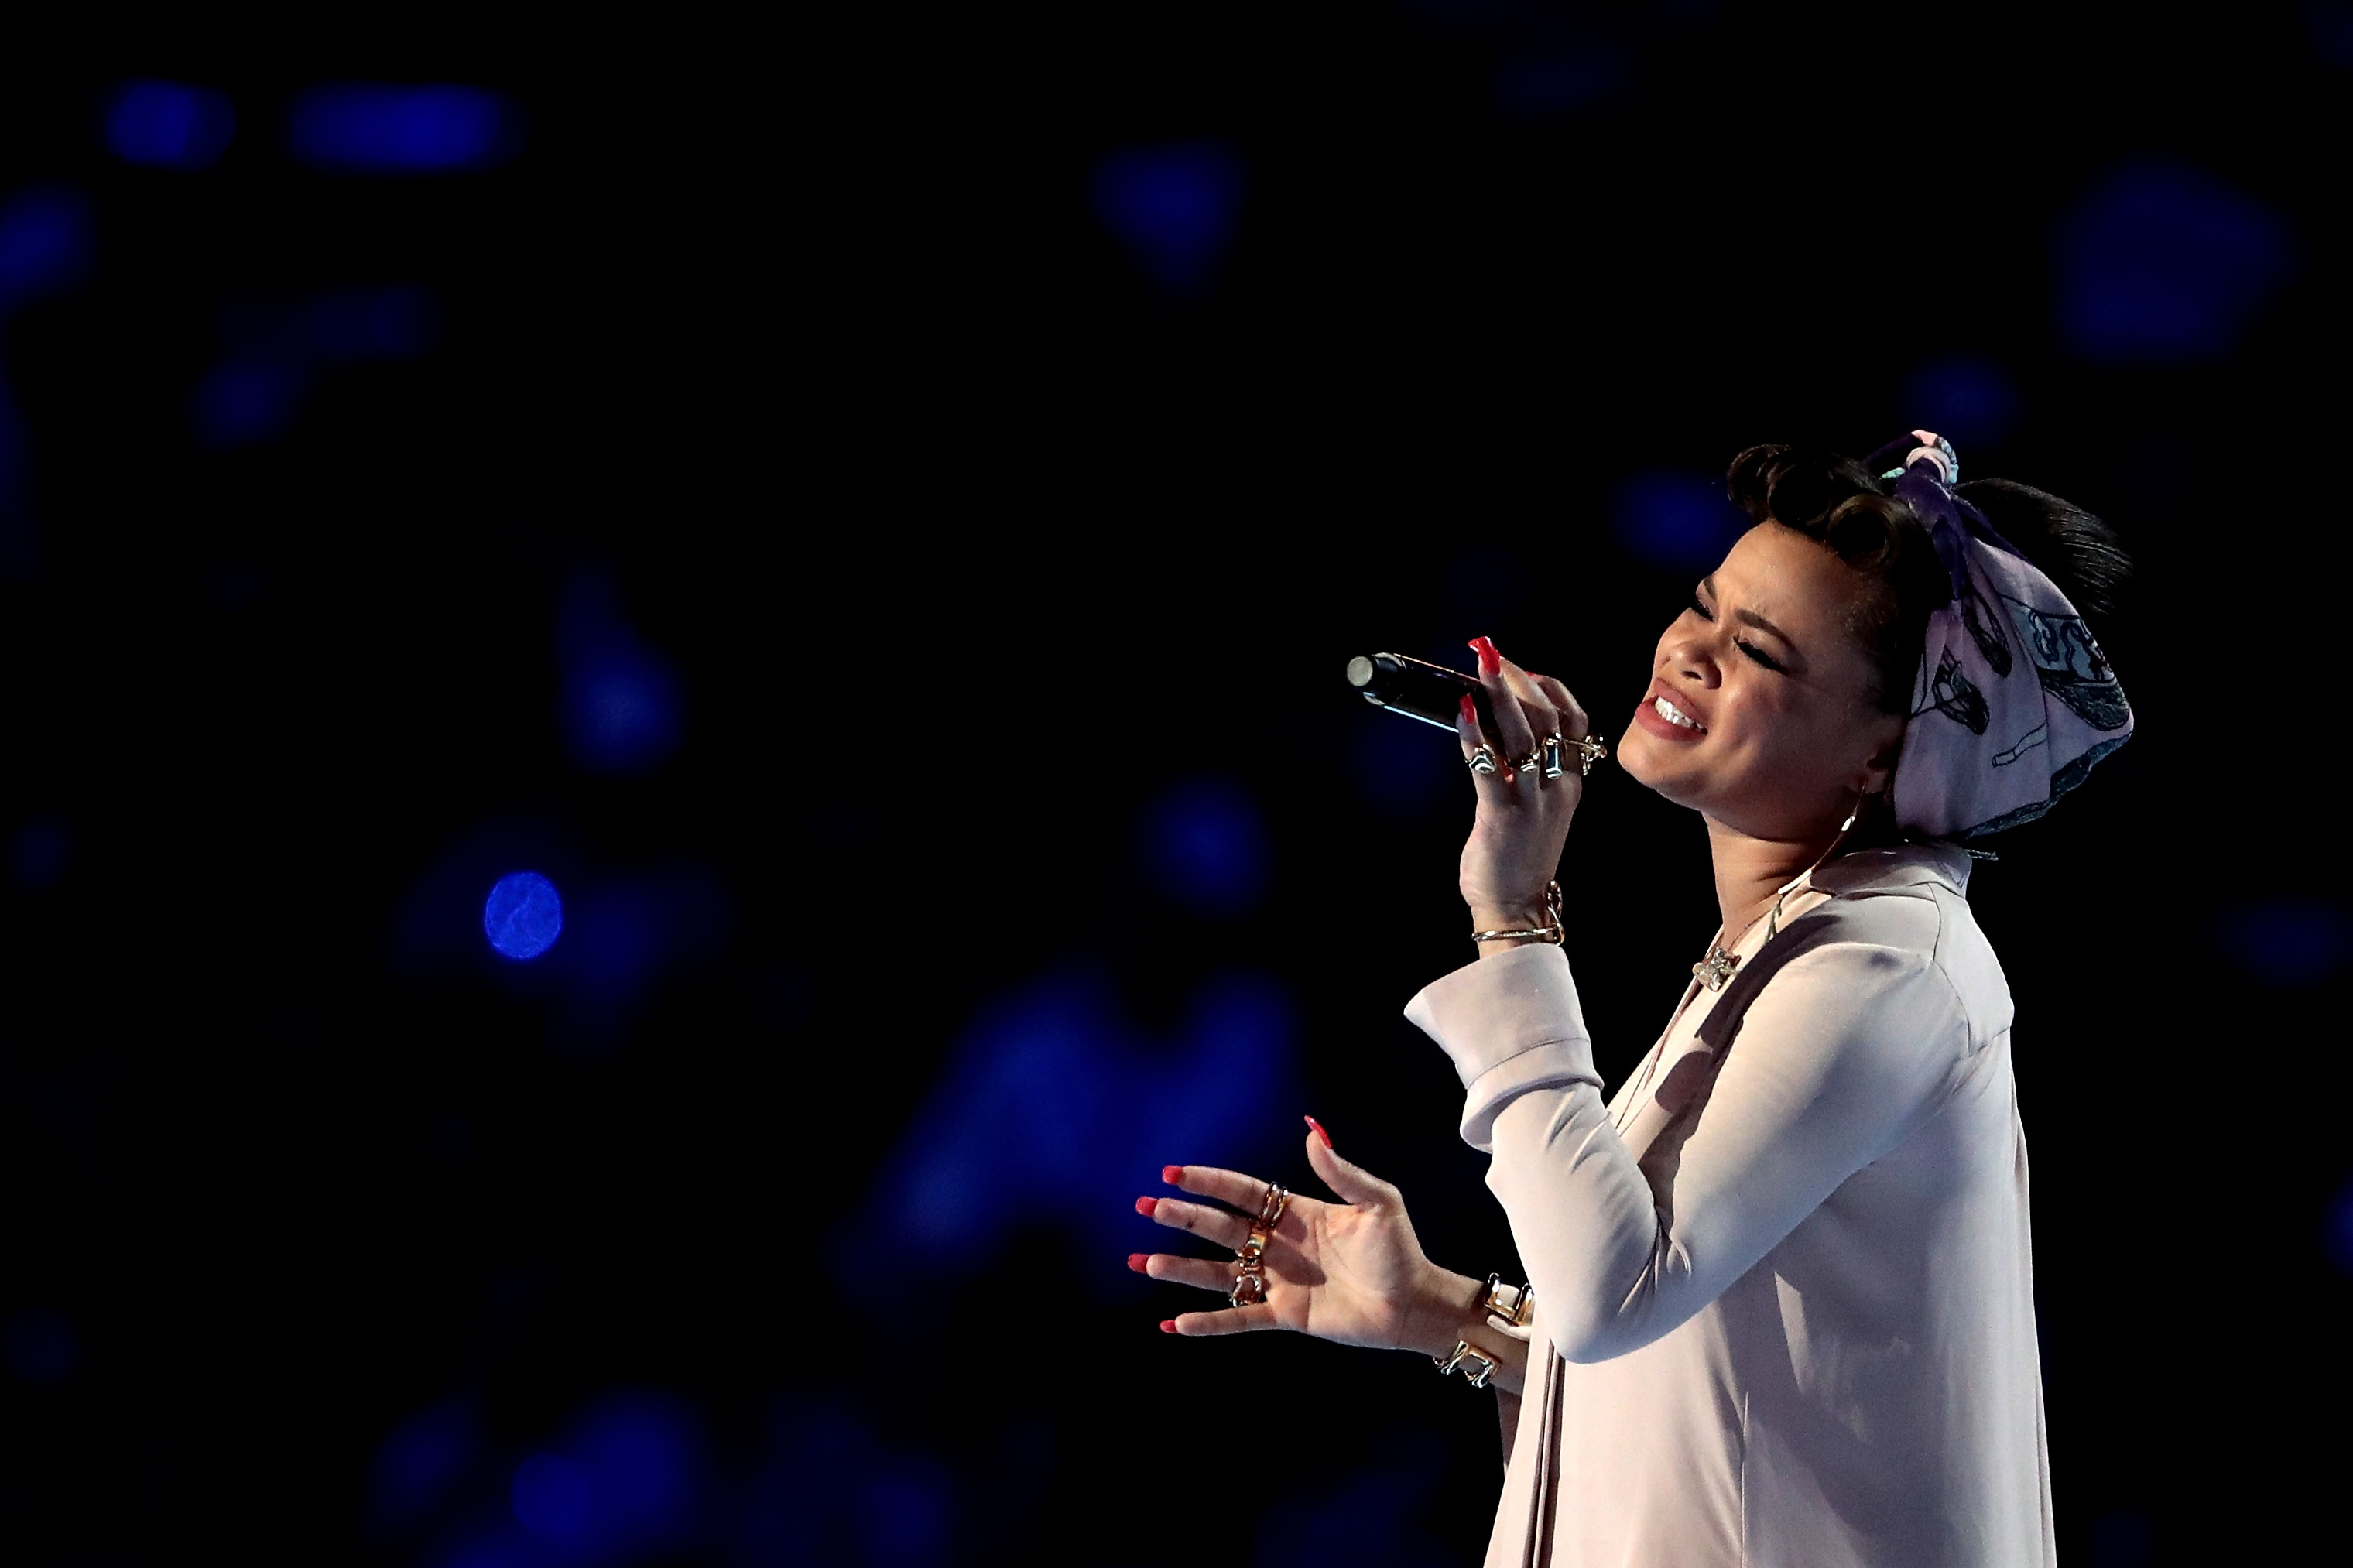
1145 1205
1173 1174
1470 708
1319 1131
1135 1261
1167 1325
1490 661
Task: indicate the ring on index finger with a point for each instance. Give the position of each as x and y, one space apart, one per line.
1270 1208
1483 759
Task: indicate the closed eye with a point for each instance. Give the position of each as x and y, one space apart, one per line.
1701 610
1760 657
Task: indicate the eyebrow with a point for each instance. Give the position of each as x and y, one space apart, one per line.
1750 617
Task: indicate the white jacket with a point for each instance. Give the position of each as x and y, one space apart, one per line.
1784 1297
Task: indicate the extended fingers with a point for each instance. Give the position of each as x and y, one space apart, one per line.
1243 1192
1211 1224
1234 1321
1201 1273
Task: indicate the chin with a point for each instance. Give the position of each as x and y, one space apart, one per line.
1639 755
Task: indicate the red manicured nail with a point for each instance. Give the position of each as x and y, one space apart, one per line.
1135 1261
1319 1131
1145 1205
1490 661
1167 1325
1470 708
1173 1174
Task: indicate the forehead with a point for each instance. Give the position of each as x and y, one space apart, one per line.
1792 581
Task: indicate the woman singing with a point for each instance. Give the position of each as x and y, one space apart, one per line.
1779 1306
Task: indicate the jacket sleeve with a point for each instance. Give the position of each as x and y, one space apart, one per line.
1842 1047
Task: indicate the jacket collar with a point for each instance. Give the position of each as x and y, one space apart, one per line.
1901 866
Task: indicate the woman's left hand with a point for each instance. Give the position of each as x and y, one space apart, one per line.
1522 820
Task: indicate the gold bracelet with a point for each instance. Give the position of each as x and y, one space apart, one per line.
1462 1352
1551 933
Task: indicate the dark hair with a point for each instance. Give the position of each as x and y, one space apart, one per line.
1843 506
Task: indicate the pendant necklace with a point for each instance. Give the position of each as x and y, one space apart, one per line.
1714 971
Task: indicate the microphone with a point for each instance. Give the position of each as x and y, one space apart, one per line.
1430 692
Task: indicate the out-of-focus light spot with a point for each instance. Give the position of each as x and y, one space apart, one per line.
39 851
1538 85
240 403
2123 1538
552 1499
375 128
624 708
624 1481
1173 205
1678 520
2162 263
523 916
1207 846
418 1463
904 1513
1050 1108
45 243
2328 30
1968 398
346 325
2336 1230
169 124
2285 942
40 1346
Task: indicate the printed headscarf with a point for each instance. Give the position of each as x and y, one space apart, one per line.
2014 702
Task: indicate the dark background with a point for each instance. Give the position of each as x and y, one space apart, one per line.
875 512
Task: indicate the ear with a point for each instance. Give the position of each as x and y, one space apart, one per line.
1879 769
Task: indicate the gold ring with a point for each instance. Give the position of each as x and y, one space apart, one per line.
1270 1208
1248 1289
1252 1248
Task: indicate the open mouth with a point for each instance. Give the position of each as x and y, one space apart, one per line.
1676 715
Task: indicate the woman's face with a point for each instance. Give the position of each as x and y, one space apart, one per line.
1759 712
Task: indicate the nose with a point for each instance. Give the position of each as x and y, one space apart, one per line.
1691 657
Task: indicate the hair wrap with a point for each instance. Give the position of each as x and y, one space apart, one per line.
2014 702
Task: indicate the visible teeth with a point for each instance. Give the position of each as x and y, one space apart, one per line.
1674 715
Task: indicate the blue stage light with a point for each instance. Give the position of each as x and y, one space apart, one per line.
40 1346
1968 398
39 851
523 916
1674 520
2285 942
344 325
242 402
45 243
623 707
375 128
1173 205
1207 846
2336 1230
169 124
554 1500
2163 263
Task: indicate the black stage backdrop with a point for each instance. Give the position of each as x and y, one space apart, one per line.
874 510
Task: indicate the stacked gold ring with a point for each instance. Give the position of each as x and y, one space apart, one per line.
1249 1284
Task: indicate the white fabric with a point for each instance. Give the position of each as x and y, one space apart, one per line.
1786 1270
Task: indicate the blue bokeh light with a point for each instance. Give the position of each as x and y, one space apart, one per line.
239 402
1207 846
39 851
2288 942
523 915
2336 1230
169 124
2163 263
553 1500
381 129
1052 1108
624 708
626 1481
45 242
40 1345
1675 520
1968 398
1173 205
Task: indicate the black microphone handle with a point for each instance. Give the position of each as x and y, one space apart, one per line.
1430 692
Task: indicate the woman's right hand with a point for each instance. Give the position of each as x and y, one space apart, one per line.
1352 1272
1522 820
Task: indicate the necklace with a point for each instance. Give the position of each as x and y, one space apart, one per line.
1714 971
